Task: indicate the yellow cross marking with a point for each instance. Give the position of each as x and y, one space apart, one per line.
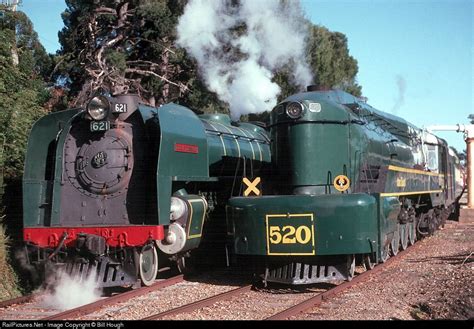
252 186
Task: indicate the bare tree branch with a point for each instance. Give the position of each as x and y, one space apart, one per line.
146 72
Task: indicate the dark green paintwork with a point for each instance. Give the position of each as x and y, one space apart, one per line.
406 182
388 209
337 134
58 172
310 153
196 221
36 189
239 140
343 223
178 125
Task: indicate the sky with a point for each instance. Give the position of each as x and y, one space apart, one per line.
415 57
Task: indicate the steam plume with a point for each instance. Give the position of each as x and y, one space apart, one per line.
69 292
402 86
239 46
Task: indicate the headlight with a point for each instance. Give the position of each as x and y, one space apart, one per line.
294 110
178 208
98 108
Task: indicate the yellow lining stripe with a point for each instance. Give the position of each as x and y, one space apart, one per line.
220 136
290 254
413 171
249 140
191 217
230 131
259 148
410 193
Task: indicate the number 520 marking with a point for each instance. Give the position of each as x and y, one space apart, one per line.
290 234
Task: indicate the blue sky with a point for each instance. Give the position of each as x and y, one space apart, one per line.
415 56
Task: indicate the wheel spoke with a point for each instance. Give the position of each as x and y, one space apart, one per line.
369 263
403 231
395 244
350 267
385 253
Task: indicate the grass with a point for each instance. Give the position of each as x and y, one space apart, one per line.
9 281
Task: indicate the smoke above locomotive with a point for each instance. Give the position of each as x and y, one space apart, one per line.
238 46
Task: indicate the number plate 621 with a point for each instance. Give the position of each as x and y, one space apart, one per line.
100 126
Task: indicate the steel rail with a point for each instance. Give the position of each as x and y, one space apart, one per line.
92 307
200 303
318 299
18 300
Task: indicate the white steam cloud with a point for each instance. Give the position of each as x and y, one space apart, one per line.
237 48
68 292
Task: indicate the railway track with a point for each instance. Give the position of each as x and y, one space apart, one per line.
319 298
18 300
200 303
300 306
308 303
29 307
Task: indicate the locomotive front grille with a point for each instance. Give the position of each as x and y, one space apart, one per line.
103 271
300 273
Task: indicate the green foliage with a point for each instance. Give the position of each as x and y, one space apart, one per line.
8 286
329 58
22 90
117 60
24 64
137 38
21 110
471 118
203 100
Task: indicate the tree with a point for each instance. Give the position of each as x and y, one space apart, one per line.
471 118
123 47
330 62
24 64
329 58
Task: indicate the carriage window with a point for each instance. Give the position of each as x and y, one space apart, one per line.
432 157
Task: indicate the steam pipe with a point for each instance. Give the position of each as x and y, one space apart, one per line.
60 245
468 131
459 128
